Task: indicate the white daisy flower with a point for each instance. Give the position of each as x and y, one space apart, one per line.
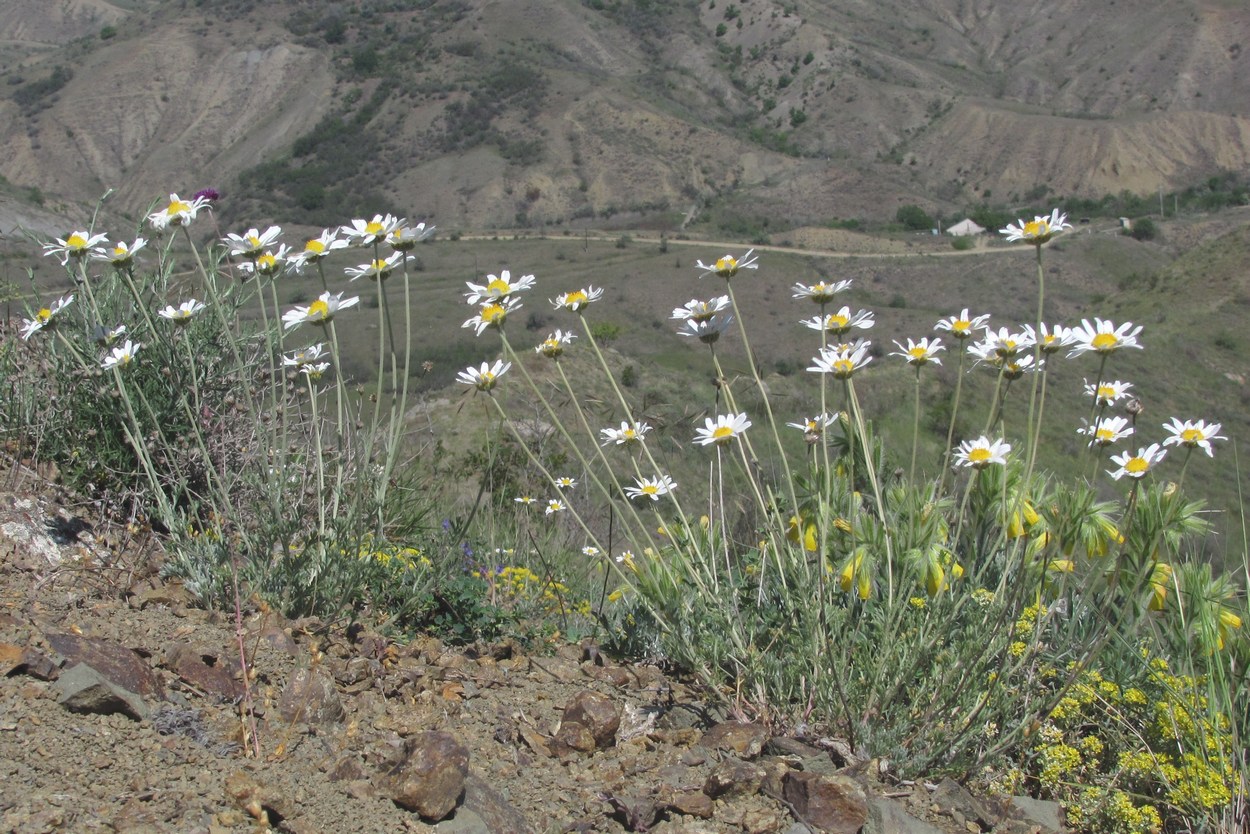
120 255
75 245
484 378
963 325
1103 337
320 312
46 317
627 435
722 430
184 312
267 264
370 232
1038 230
306 356
651 488
251 243
553 346
728 266
1106 431
493 314
822 292
406 238
497 287
1136 465
379 269
841 322
577 300
920 353
178 213
980 453
707 331
1107 393
317 248
696 310
842 363
1193 434
122 356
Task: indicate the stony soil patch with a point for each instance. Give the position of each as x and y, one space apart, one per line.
122 709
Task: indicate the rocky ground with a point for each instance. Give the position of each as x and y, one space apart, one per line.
122 708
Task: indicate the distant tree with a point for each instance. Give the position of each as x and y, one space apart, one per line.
1144 229
914 218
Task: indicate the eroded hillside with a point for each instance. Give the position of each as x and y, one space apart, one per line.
532 112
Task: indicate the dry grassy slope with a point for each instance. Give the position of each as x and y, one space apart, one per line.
932 101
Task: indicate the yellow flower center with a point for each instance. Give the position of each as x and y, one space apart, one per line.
1105 392
266 261
120 251
1036 228
1137 466
315 247
629 434
844 366
1105 341
499 287
1191 436
76 241
650 489
318 311
252 241
44 315
918 353
1103 435
177 207
838 321
486 380
575 298
722 433
727 264
979 455
373 227
961 325
494 314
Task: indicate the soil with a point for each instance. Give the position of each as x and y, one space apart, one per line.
158 739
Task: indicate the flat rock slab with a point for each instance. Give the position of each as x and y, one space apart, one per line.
81 688
117 664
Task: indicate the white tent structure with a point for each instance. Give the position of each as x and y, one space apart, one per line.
965 227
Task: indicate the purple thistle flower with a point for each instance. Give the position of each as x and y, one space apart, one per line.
210 194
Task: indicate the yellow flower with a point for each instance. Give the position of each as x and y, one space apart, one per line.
855 574
1160 579
809 534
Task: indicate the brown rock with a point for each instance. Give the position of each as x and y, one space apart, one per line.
952 797
734 777
834 804
310 697
775 771
689 802
572 737
636 813
597 713
203 670
741 737
279 640
117 664
430 778
761 821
